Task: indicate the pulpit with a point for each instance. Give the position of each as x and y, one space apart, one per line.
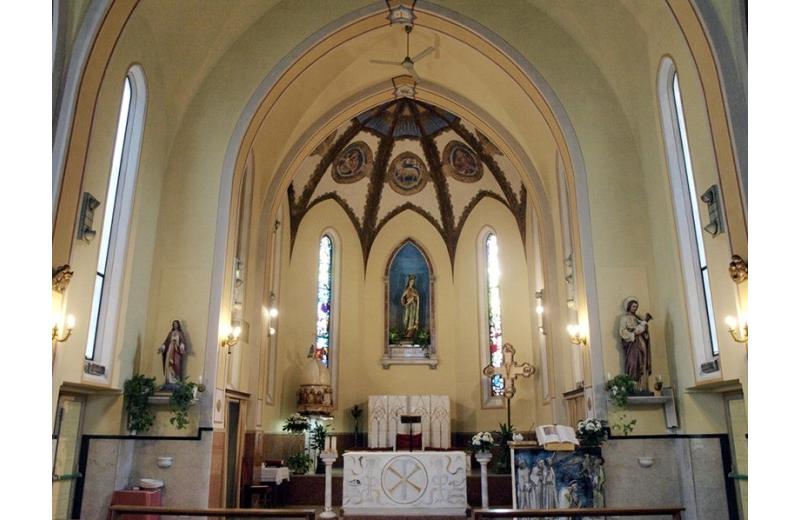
384 416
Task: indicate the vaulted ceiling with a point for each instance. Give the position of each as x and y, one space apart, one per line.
406 155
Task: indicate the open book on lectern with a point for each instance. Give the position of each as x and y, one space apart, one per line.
557 437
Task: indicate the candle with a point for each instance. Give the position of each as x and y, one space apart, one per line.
327 444
608 376
333 443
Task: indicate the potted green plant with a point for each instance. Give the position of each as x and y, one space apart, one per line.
316 442
137 391
295 423
502 462
423 337
183 396
299 463
619 388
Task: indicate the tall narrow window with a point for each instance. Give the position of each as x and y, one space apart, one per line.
495 324
698 227
687 216
240 267
108 217
324 294
116 218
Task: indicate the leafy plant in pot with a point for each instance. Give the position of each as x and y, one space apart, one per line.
619 388
317 443
179 402
299 463
137 391
502 456
295 423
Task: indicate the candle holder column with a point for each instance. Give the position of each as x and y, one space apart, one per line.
483 458
328 457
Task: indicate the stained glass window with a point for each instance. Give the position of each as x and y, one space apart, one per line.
495 321
324 281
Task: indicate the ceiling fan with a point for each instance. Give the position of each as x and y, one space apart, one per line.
408 62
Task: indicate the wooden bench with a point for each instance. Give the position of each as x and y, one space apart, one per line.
116 511
675 512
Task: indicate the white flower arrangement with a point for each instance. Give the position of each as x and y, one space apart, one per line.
482 441
592 432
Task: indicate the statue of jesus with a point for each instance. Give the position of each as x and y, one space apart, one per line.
172 351
410 302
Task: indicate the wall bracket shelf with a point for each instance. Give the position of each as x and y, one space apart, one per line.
666 399
162 399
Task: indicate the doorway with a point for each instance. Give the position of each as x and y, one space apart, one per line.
234 433
737 432
66 443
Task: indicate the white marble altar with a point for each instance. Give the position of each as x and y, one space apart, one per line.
405 483
384 413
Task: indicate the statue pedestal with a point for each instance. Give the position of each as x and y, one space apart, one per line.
409 354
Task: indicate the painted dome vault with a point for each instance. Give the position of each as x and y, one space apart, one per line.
406 155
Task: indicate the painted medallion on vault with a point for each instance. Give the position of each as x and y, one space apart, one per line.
408 174
460 162
353 163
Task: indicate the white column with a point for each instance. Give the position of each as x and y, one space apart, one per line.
483 458
328 457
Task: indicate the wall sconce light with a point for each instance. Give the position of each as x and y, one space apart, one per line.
273 312
60 334
738 335
231 339
737 269
576 334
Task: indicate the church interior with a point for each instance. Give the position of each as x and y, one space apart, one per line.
392 258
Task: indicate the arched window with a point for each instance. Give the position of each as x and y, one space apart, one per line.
495 321
116 219
491 321
324 299
687 215
241 250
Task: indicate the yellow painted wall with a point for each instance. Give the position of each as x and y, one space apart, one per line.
360 297
103 413
612 107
